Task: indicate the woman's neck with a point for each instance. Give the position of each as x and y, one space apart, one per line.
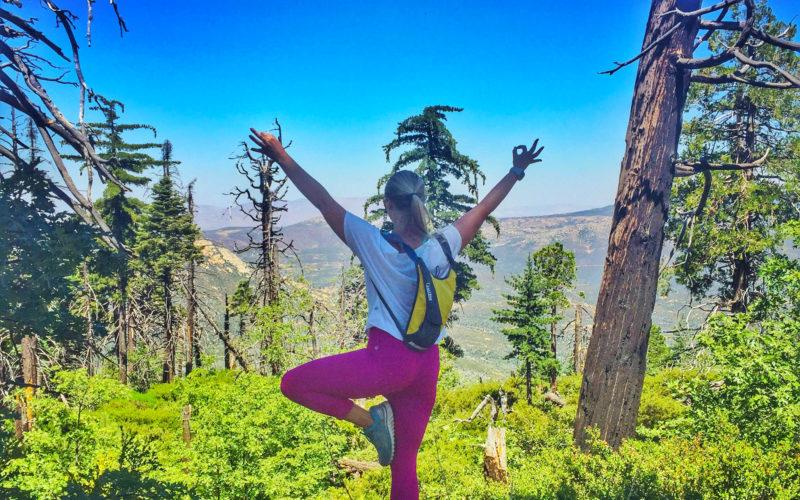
413 236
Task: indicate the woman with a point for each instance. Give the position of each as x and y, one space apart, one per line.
386 367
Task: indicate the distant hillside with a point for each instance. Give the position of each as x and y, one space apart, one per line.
584 233
211 217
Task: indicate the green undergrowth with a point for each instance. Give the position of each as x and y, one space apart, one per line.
95 438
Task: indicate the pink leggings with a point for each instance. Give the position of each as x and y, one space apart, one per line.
406 378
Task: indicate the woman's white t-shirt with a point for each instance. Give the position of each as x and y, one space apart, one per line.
393 272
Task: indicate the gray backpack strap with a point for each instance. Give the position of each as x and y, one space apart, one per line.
446 249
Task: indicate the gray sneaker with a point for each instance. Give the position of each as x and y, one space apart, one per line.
381 433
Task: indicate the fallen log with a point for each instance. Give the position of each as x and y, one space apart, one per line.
356 467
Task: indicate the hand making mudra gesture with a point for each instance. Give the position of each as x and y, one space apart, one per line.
406 378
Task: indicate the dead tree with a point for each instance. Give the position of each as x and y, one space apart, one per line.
264 205
263 202
192 339
22 87
226 329
615 362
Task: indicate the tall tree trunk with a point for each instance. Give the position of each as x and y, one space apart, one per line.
553 350
615 361
226 328
89 322
122 329
169 347
577 349
742 269
29 378
193 354
528 392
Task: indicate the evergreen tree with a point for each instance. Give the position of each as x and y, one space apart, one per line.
528 335
39 250
165 243
555 268
722 244
111 271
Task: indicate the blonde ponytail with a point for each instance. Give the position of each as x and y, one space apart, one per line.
419 213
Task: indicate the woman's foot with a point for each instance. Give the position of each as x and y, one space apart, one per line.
381 433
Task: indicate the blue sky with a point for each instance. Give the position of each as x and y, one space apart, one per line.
340 76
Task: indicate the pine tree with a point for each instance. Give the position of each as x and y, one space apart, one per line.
111 271
529 336
165 243
555 268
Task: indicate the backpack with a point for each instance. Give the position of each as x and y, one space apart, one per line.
433 301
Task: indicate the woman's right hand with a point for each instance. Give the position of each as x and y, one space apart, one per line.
268 144
523 157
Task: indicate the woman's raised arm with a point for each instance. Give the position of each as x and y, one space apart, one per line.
307 185
470 223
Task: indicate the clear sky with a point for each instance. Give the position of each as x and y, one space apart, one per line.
340 75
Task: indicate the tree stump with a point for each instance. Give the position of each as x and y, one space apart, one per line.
186 416
495 465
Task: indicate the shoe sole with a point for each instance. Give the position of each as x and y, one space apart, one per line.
389 415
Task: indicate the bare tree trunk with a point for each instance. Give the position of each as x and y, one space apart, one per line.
577 349
89 322
553 375
29 378
193 354
528 392
122 329
226 328
742 268
615 362
312 333
169 347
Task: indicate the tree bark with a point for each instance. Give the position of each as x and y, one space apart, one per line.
742 269
615 362
29 377
186 417
495 464
553 350
122 329
169 348
193 355
577 349
528 382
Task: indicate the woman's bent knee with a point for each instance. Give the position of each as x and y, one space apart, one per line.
289 386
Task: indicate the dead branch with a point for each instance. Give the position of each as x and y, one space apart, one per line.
224 338
777 41
733 78
644 51
685 169
721 5
555 398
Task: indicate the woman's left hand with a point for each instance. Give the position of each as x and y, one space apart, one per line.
268 144
523 157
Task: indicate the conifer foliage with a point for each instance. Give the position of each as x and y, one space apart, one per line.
724 222
165 243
